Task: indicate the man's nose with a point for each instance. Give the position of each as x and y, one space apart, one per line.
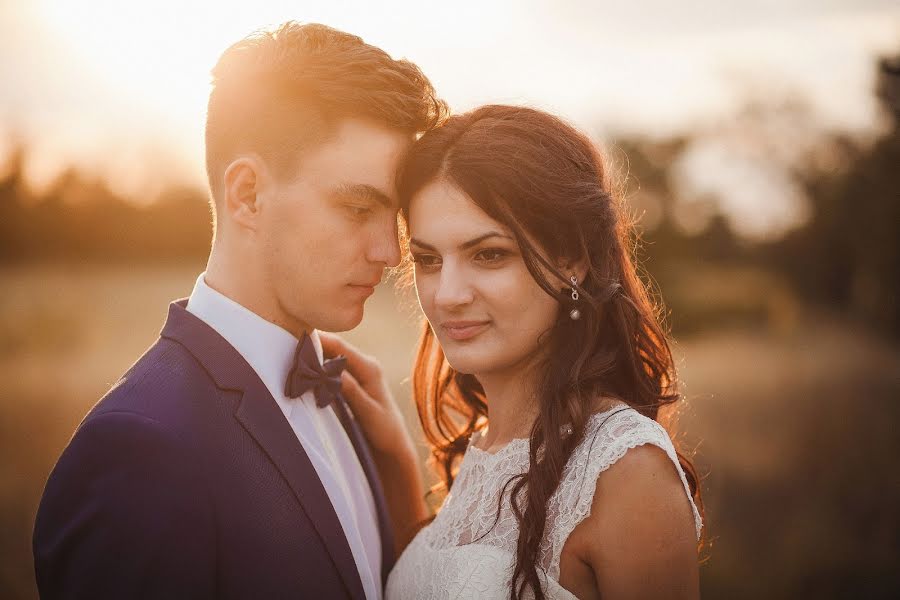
385 246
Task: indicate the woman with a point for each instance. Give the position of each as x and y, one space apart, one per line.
539 376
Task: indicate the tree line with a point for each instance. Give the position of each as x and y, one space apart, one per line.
846 257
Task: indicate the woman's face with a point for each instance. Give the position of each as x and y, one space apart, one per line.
483 305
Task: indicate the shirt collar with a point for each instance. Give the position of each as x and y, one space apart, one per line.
268 348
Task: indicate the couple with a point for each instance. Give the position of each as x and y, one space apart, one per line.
249 454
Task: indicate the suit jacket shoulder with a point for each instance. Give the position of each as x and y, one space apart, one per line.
167 384
130 485
185 480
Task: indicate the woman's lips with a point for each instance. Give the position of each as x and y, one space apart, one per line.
463 330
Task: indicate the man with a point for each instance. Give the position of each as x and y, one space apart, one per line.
225 463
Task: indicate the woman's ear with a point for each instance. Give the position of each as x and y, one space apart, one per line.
576 267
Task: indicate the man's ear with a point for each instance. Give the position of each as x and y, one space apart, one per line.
243 178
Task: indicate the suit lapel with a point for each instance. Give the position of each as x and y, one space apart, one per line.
365 460
261 417
264 421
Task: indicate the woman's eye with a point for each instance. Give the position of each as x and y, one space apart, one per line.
491 255
426 260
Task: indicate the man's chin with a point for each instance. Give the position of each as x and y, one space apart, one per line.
344 320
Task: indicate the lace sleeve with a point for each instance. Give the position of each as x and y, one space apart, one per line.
608 437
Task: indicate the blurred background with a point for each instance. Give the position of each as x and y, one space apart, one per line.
756 142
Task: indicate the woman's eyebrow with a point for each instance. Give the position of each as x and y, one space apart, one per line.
421 244
465 245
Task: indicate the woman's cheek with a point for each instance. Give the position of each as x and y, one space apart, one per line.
516 290
425 293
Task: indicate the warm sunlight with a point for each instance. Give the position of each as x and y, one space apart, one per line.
119 88
646 289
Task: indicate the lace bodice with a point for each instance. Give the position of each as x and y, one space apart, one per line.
468 552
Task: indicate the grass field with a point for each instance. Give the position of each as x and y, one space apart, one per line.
794 426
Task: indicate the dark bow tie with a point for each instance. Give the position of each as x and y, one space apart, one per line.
307 374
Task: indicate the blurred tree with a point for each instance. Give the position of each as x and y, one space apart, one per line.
845 258
12 211
848 256
81 219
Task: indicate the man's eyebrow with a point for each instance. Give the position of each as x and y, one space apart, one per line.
464 245
364 190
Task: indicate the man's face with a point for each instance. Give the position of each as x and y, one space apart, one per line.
328 232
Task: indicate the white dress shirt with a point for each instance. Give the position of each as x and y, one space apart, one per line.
270 350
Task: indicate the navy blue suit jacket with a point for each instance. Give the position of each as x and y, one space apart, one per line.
186 481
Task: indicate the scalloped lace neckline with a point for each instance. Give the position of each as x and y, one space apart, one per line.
525 442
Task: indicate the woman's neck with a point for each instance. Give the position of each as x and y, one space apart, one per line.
511 398
513 403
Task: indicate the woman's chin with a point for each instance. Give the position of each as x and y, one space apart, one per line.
467 361
460 363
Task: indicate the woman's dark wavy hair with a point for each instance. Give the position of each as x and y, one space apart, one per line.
546 183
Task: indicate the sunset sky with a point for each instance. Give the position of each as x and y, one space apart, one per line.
119 88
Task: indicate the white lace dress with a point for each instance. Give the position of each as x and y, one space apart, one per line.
464 553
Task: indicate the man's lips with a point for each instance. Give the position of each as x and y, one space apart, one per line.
463 330
364 288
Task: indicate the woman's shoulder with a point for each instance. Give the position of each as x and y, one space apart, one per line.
617 428
624 457
621 446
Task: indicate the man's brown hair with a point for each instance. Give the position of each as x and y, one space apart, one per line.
276 92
